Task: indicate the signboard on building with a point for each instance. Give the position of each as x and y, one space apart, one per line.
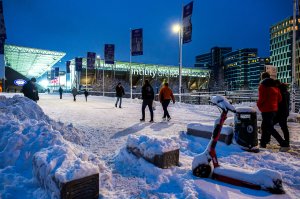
272 70
20 82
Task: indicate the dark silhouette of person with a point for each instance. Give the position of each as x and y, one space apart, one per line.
30 90
86 93
148 97
119 94
74 92
60 90
283 111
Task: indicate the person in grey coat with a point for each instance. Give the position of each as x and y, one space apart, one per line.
74 92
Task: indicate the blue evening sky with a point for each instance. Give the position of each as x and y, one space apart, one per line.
78 26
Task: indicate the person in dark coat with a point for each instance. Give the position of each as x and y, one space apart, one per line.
119 94
283 111
268 98
86 93
74 92
30 90
148 97
60 90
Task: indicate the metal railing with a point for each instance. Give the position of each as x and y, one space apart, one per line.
204 97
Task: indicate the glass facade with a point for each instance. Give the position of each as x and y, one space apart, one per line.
203 61
256 67
281 44
214 62
236 68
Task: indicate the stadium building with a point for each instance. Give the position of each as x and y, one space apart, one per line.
22 63
104 77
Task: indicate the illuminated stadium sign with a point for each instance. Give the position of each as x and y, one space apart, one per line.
19 82
152 70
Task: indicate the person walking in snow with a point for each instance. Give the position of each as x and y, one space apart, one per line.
86 93
283 111
268 98
74 92
148 97
60 90
119 94
165 96
30 90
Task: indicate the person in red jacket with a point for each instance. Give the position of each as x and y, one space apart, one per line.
165 96
268 98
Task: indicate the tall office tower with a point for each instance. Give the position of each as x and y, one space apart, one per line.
236 68
203 61
281 45
217 70
214 62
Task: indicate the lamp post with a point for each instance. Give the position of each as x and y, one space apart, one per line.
294 57
177 29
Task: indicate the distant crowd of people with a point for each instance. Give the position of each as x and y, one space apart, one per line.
165 96
273 102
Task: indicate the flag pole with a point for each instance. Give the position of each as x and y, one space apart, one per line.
180 54
294 59
86 75
103 77
130 67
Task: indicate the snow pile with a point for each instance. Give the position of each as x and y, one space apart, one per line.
27 134
151 146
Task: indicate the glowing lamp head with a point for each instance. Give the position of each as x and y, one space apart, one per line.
176 28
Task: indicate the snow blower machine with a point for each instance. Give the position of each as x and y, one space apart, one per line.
206 164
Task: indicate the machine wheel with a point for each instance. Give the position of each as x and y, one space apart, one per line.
277 187
203 171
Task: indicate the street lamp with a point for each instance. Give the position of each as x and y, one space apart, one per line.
176 28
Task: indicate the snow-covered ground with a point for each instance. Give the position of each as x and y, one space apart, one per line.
95 134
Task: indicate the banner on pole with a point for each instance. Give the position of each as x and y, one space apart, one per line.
68 63
91 59
52 73
137 42
109 53
187 23
56 74
78 64
2 24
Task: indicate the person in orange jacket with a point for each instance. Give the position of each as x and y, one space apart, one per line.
268 98
165 96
